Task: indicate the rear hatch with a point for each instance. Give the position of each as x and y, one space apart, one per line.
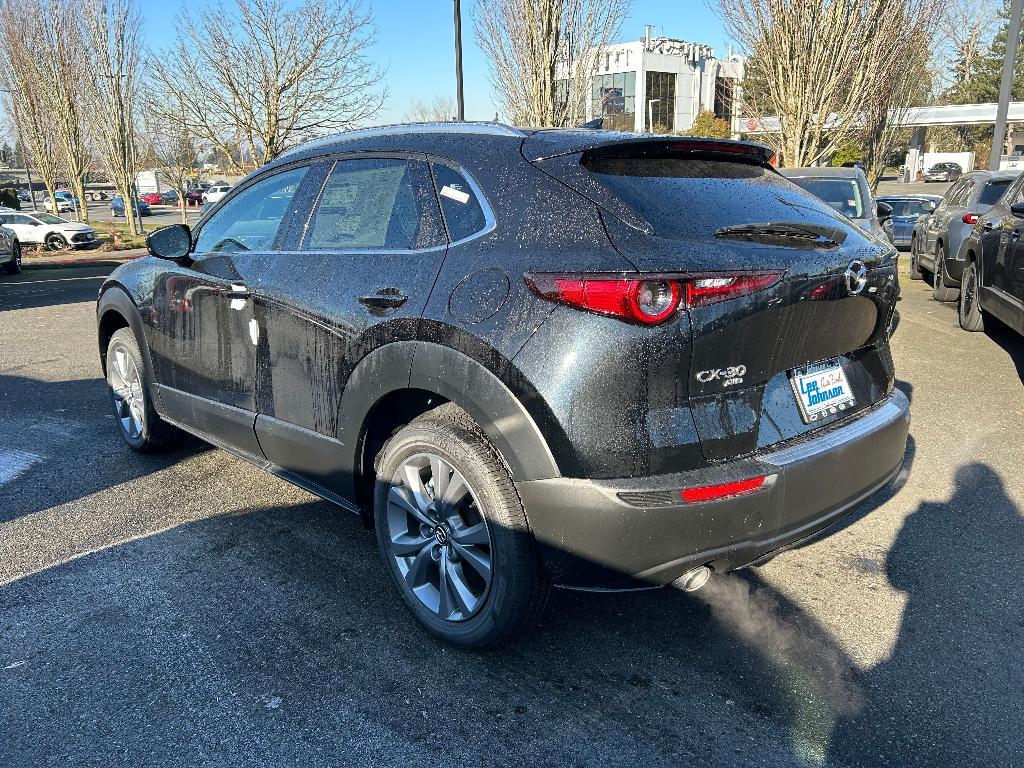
809 349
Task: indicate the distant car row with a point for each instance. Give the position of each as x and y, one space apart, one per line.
969 242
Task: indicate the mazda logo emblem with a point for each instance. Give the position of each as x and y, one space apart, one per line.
856 277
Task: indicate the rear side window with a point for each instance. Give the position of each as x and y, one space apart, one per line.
692 198
369 203
463 213
992 191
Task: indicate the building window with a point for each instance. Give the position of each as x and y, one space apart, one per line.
725 98
661 102
614 100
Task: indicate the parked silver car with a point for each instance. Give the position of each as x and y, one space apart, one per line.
846 190
937 236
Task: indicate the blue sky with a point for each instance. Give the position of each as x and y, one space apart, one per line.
415 42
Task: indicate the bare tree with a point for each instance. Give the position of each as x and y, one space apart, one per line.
542 54
818 64
60 28
278 74
170 148
966 29
112 32
440 109
23 81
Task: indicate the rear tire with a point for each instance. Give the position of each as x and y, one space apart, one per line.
915 267
464 562
13 267
969 310
940 291
137 421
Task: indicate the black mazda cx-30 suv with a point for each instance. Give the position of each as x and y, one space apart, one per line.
527 357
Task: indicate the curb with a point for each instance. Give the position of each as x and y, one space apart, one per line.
72 261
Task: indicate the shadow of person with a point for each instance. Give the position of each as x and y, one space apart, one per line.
953 684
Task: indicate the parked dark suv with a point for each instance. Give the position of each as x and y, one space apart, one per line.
992 262
572 357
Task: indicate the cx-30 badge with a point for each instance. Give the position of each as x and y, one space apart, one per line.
856 277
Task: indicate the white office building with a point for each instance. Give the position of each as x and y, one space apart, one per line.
662 84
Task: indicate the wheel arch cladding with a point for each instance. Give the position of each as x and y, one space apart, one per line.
423 376
115 309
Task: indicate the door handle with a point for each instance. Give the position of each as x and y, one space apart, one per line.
990 225
384 300
236 291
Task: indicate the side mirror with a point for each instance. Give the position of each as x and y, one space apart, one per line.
1017 209
173 242
884 211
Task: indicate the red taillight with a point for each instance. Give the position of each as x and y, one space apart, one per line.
970 218
711 492
650 300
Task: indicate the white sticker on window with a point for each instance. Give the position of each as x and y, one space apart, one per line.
455 194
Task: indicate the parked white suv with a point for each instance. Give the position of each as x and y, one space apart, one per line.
213 194
46 229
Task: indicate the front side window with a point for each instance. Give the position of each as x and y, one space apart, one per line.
250 220
463 213
369 203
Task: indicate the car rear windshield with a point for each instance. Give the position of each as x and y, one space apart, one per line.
992 191
908 207
841 194
693 197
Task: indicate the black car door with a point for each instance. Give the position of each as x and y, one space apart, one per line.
204 345
356 276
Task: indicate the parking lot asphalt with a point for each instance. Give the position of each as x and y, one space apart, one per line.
186 609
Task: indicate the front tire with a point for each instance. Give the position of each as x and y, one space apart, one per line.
969 310
454 534
940 291
13 267
915 267
56 242
137 421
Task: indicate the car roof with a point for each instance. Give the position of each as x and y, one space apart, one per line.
536 143
992 175
825 172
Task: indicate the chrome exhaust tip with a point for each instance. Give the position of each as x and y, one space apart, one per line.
693 580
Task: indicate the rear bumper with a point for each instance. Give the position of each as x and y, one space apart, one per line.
628 534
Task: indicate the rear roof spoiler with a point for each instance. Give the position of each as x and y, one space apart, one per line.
543 145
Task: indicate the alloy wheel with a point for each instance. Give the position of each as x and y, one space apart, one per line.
129 396
438 537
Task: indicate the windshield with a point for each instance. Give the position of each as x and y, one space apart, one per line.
841 194
992 191
908 207
49 218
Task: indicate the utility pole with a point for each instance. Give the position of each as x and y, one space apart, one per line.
460 113
1009 63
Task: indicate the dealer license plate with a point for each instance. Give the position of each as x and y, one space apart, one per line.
821 389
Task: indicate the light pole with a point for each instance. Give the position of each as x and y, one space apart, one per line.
460 113
1009 61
